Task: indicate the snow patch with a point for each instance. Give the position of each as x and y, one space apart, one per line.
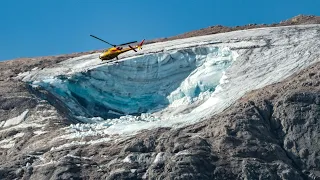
16 120
160 158
8 145
10 142
128 159
39 132
78 143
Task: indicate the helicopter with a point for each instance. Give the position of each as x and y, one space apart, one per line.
114 51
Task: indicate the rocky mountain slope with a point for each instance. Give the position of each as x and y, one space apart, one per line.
300 19
270 133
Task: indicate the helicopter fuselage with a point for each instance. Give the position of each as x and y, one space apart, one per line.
113 52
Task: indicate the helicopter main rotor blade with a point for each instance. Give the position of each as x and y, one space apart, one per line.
127 43
102 40
132 48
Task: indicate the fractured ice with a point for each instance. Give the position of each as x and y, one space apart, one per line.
140 84
174 83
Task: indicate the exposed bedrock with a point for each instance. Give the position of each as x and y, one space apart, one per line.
271 133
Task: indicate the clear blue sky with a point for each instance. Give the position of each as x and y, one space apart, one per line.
37 28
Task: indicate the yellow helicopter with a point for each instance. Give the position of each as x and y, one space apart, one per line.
113 52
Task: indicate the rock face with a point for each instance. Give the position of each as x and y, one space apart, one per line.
270 133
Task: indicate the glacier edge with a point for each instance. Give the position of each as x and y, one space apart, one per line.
264 56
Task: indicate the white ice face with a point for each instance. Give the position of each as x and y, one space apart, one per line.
174 83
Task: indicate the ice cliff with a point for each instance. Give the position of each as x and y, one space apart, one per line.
176 82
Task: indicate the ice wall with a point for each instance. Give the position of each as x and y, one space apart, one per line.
174 83
140 84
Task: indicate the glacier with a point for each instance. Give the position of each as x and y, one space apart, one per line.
174 83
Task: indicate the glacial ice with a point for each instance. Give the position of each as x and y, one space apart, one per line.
174 83
140 84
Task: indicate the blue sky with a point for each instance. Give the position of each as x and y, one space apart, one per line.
39 28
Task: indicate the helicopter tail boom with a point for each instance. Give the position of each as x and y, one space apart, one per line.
140 44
